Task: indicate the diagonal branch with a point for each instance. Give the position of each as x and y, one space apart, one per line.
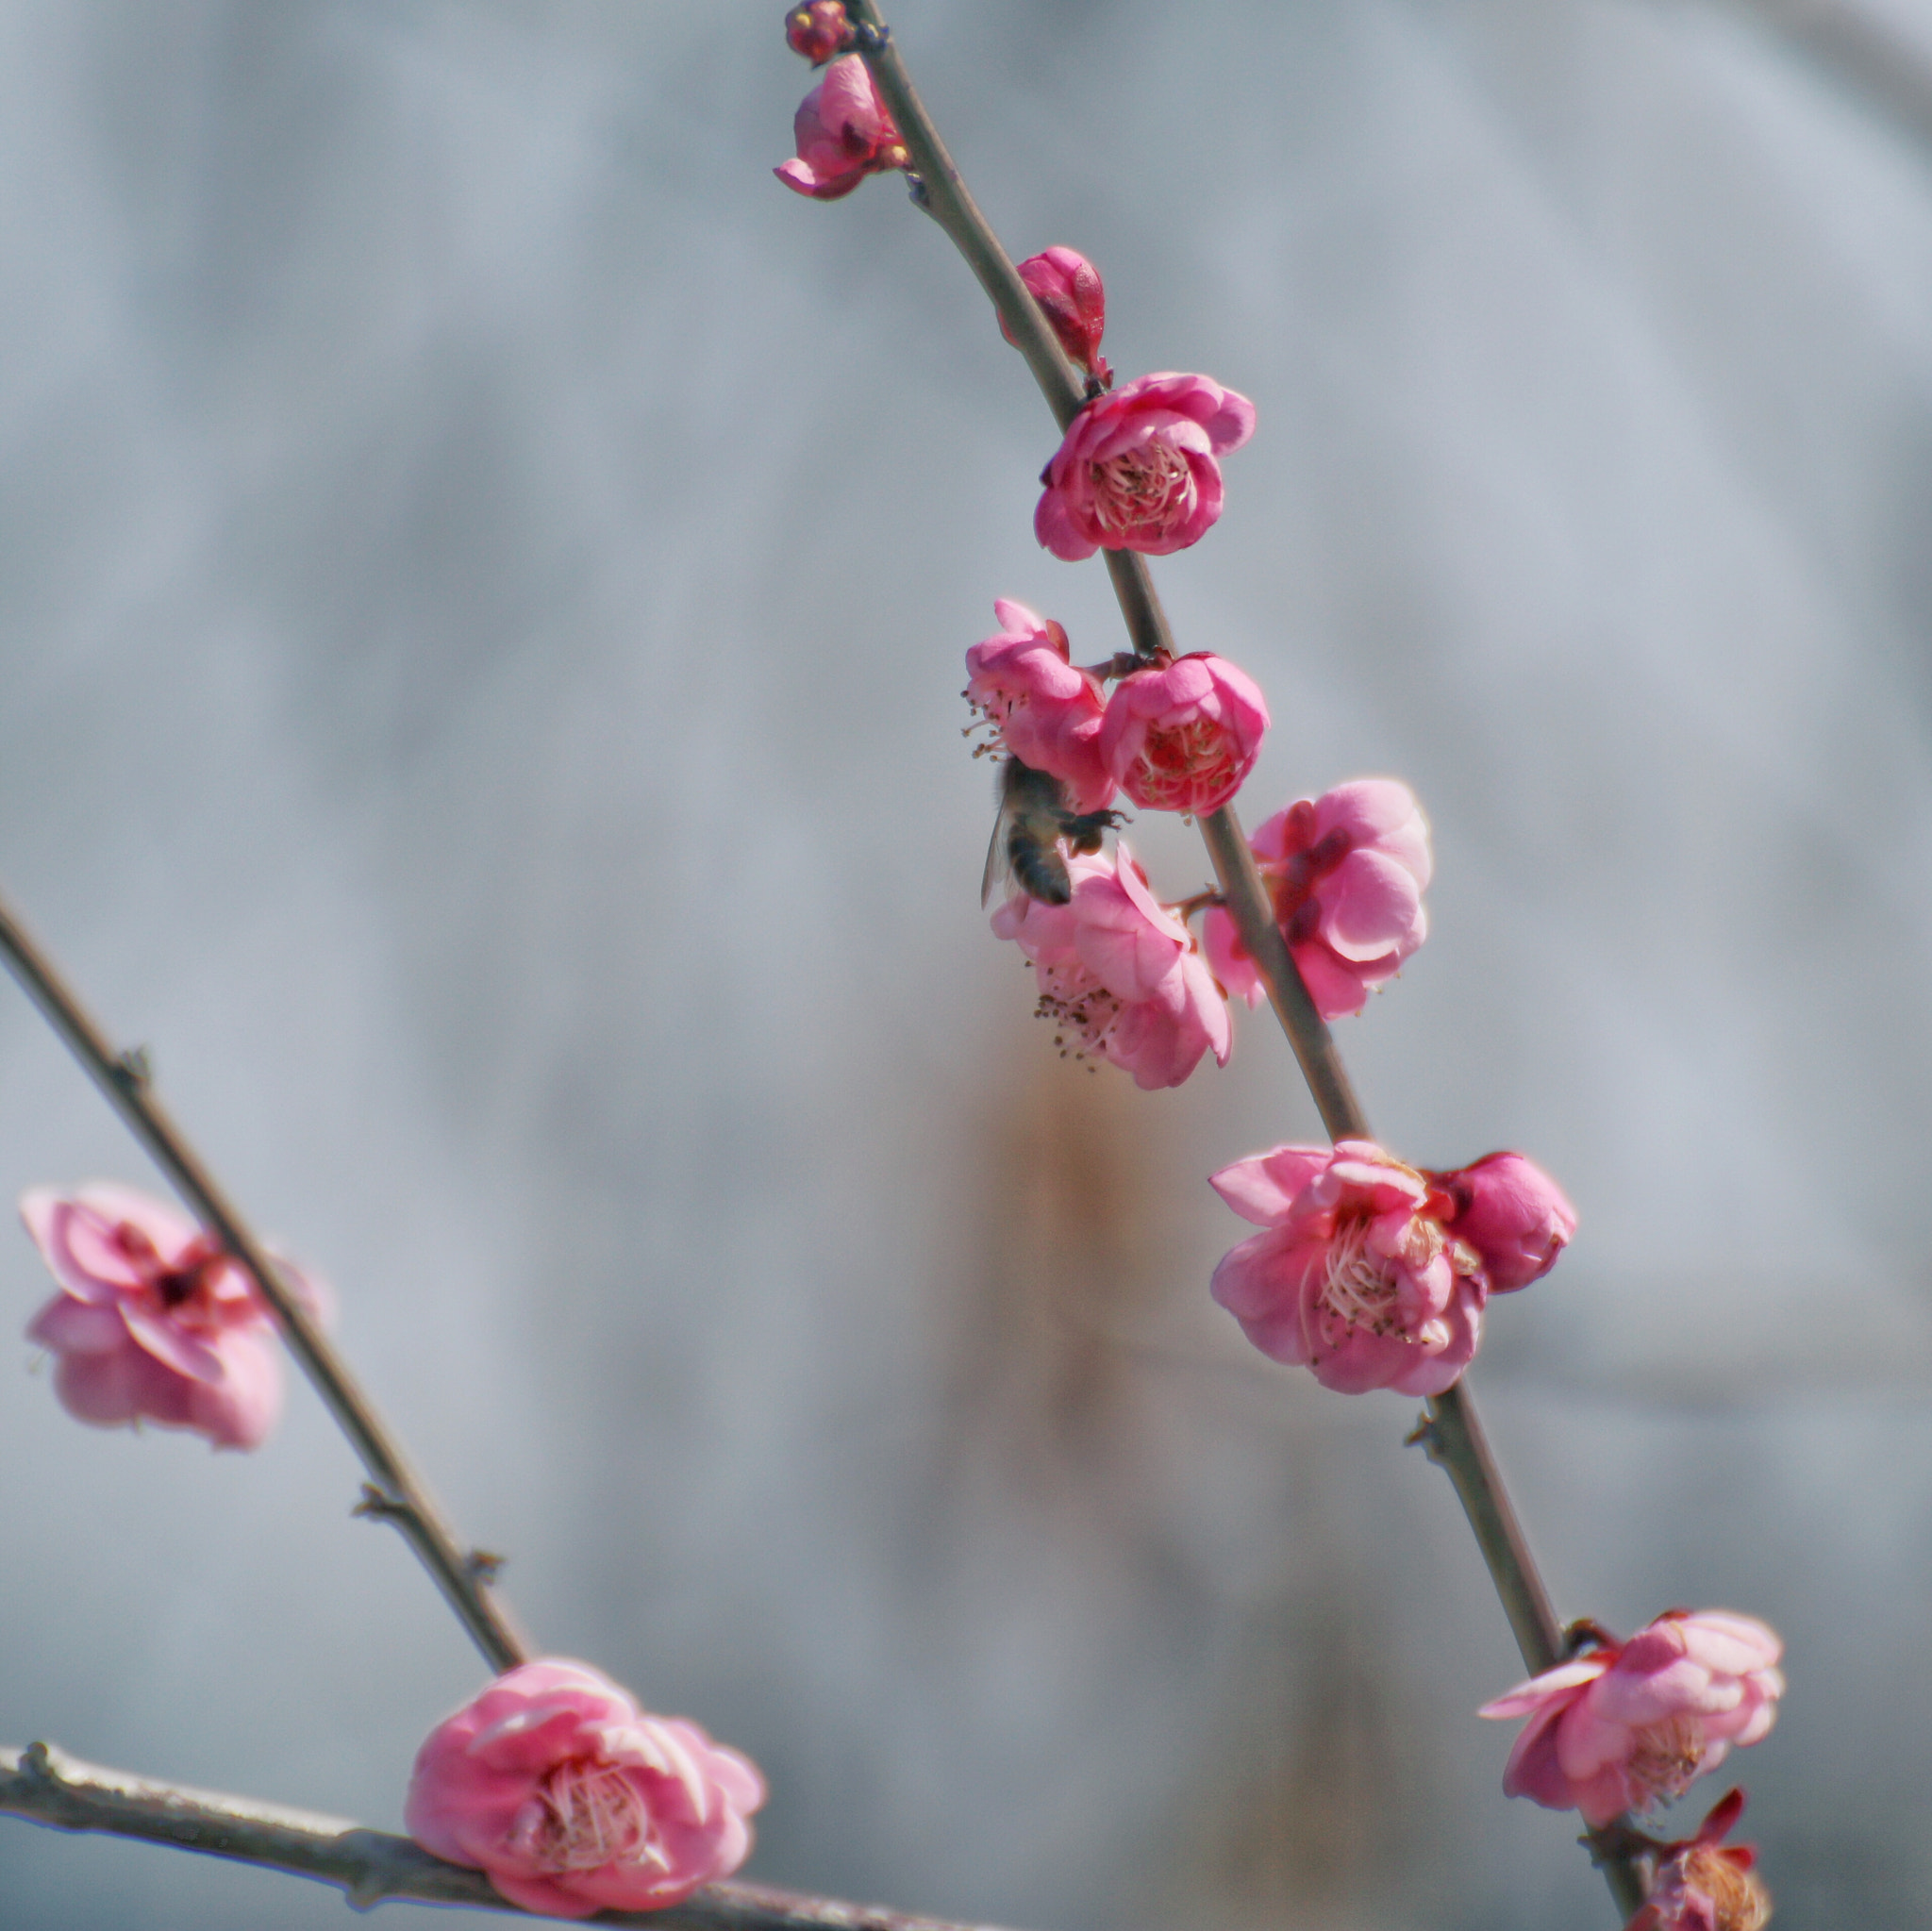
1450 1429
46 1786
395 1493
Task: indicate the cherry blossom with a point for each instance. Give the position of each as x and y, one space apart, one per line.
1182 734
1138 468
1068 287
1355 1276
1346 873
572 1800
153 1322
1045 709
1118 973
844 134
1631 1725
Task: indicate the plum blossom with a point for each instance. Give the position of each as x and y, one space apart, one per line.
570 1799
844 134
1182 734
1118 973
1631 1725
1068 287
1513 1214
1705 1884
1346 872
818 30
1137 469
1045 709
1355 1276
153 1322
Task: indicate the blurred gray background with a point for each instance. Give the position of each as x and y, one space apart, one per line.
485 580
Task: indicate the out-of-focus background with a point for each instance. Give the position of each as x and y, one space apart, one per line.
485 580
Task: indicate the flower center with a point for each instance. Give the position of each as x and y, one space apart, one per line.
1359 1288
1739 1900
1179 762
1139 487
1666 1757
1082 1007
591 1816
175 1285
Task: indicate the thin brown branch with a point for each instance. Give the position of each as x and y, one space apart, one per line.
396 1492
48 1787
1451 1430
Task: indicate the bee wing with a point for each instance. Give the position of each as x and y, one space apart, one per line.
999 864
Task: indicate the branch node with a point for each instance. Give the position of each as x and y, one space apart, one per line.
483 1566
917 192
378 1505
1424 1436
1586 1633
868 38
135 1069
37 1760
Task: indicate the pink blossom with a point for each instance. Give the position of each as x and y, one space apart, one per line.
1181 736
153 1321
1356 1277
1119 973
818 30
571 1798
844 134
1707 1885
1068 287
1346 872
1137 469
1513 1214
1043 708
1631 1724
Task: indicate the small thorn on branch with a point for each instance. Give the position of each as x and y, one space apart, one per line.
135 1069
484 1565
1424 1436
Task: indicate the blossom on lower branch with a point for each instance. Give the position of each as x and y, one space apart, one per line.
1631 1725
1346 873
1368 1271
571 1798
1119 972
153 1322
1705 1884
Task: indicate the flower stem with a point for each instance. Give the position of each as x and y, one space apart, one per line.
49 1787
395 1492
1451 1430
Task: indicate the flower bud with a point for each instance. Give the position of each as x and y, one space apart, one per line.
1513 1214
1707 1885
1068 288
842 133
818 30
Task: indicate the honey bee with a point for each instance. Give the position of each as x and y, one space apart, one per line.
1034 817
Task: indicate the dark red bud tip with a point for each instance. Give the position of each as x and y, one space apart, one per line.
818 30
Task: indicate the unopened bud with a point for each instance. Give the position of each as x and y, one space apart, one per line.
818 30
1068 288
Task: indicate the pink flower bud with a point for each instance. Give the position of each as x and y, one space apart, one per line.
818 30
1513 1214
1181 736
844 134
153 1322
1043 708
1707 1885
570 1799
1346 872
1355 1278
1137 469
1633 1725
1118 973
1068 287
